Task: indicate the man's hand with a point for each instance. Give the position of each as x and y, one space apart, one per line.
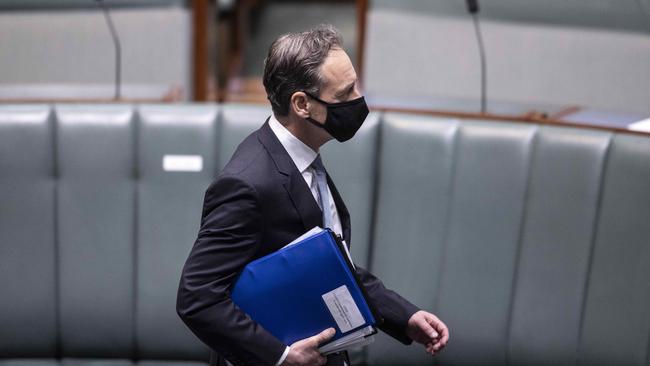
425 328
305 352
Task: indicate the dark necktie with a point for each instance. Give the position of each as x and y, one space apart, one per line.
323 195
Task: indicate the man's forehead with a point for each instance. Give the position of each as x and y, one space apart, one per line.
337 69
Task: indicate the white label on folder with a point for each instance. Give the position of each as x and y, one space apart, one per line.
343 308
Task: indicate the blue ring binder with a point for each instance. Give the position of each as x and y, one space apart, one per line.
305 288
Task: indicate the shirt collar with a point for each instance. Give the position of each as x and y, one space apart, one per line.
301 154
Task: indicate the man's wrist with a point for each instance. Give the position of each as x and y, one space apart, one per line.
284 356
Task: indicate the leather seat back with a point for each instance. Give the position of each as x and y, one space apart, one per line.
556 243
530 241
96 230
236 121
28 309
488 195
414 185
176 162
616 316
527 240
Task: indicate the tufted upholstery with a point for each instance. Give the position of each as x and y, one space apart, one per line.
532 242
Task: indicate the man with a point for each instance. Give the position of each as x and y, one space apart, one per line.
275 188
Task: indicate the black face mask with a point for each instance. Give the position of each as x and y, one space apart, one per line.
343 119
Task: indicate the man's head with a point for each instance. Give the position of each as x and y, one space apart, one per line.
303 68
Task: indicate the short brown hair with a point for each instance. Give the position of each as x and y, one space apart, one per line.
293 63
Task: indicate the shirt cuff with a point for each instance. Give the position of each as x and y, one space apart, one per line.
284 356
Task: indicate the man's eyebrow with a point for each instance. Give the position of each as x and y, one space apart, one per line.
348 88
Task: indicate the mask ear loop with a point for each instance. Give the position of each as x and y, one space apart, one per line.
311 120
316 98
335 105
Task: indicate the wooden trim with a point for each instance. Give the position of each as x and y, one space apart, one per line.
200 50
565 112
516 119
453 114
362 15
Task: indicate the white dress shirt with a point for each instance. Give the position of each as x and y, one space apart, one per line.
302 156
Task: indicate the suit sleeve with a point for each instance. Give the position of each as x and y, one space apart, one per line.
228 239
395 310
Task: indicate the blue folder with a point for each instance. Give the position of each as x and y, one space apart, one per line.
303 289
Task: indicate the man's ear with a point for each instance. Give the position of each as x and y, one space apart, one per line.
300 104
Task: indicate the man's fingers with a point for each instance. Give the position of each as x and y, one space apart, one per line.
442 335
430 351
427 329
324 336
440 327
445 334
433 348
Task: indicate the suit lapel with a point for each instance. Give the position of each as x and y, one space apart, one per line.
294 183
304 201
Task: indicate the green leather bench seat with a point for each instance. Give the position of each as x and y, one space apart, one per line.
95 230
531 242
504 231
479 264
618 294
28 312
165 197
556 242
89 259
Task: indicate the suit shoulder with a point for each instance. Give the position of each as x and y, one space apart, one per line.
245 156
250 164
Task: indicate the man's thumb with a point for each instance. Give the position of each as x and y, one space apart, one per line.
325 335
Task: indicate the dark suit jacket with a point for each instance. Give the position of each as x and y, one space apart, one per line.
256 205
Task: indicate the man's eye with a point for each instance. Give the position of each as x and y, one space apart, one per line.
345 95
